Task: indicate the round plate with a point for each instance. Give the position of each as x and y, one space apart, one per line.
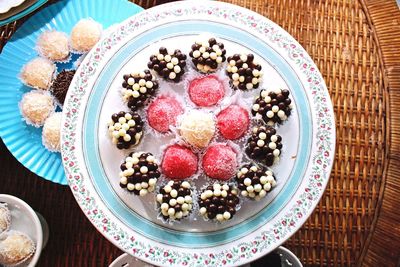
24 141
131 222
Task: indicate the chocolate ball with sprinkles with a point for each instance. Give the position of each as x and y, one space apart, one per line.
219 201
244 72
264 145
170 66
207 56
272 107
175 200
137 88
125 129
255 182
139 173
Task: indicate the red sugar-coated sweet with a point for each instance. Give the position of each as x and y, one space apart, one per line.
233 122
179 162
206 91
219 162
163 112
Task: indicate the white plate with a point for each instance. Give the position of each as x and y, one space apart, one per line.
6 5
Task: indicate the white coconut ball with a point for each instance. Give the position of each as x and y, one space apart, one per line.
53 45
36 106
85 34
38 73
51 132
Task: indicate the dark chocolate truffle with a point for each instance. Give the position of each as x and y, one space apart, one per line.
126 129
60 86
243 72
170 66
207 56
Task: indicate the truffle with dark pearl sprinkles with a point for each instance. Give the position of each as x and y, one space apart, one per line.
175 200
139 173
137 88
264 145
125 129
272 107
170 66
207 56
254 181
244 72
218 201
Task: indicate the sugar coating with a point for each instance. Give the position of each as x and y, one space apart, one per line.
5 218
179 162
36 106
219 161
38 73
197 128
233 122
51 132
15 247
85 34
163 113
206 91
53 45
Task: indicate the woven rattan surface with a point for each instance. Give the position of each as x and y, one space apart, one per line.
356 45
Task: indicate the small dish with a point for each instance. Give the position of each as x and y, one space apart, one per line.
6 5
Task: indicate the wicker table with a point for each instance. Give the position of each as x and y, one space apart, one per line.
356 45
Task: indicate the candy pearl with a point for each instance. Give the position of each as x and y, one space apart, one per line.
262 193
232 62
185 213
244 170
122 132
143 90
180 200
270 179
219 60
276 152
202 49
185 206
241 79
173 193
122 120
136 86
264 94
125 126
144 169
160 57
135 94
150 159
256 107
267 187
254 168
185 185
171 183
215 47
269 173
256 73
206 68
130 187
167 58
235 76
252 194
206 55
254 81
275 109
245 66
249 86
213 55
218 52
260 143
164 212
179 215
274 138
172 202
177 69
236 83
171 211
217 193
203 196
250 189
217 187
131 81
135 160
167 189
234 69
142 82
170 65
209 193
115 134
220 217
127 138
159 198
257 188
117 126
270 114
227 215
247 181
273 183
138 186
245 193
174 61
262 136
224 193
281 114
196 53
143 192
172 75
243 58
263 180
225 187
203 210
123 180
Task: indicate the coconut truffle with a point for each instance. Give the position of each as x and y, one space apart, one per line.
244 72
125 129
53 45
175 200
5 217
206 91
233 122
207 56
219 162
139 173
170 66
15 248
254 181
38 73
85 34
60 86
51 132
218 201
179 162
36 106
197 128
163 113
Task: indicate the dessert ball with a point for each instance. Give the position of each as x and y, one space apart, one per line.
138 88
175 200
179 162
206 91
51 132
197 128
233 122
163 113
139 173
219 162
5 217
38 73
218 201
53 45
244 72
125 129
207 56
85 34
36 106
264 145
15 248
254 181
60 86
170 66
273 107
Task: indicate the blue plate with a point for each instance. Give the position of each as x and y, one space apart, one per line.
24 141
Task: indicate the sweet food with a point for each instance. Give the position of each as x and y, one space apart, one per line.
36 106
85 34
51 132
60 85
125 129
219 161
38 73
206 91
163 113
175 200
170 66
179 162
244 72
53 45
5 217
207 55
197 128
15 248
233 122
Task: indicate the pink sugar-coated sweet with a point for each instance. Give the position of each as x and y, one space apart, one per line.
179 162
206 91
233 122
219 162
163 113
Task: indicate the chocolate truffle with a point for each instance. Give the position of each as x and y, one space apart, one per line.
243 72
126 129
206 91
207 56
137 88
170 66
15 248
264 145
273 107
255 181
36 106
197 128
175 200
5 217
60 86
85 34
163 113
218 201
53 45
233 122
38 73
139 173
219 161
179 162
51 132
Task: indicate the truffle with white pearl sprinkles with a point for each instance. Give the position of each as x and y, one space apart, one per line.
264 145
125 129
137 88
219 201
255 182
175 200
170 66
272 107
244 72
207 56
139 173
